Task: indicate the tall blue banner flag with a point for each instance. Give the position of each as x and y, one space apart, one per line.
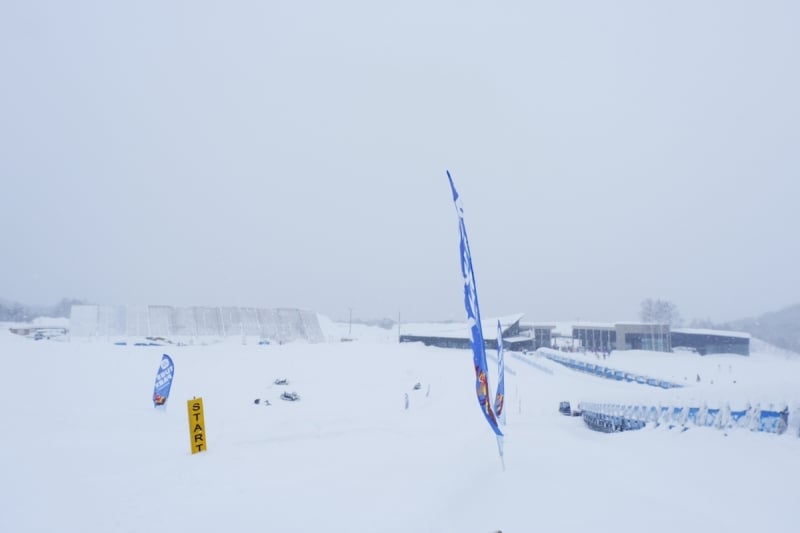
474 319
163 381
501 379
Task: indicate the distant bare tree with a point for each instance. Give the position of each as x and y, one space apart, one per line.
659 312
17 312
667 313
13 312
647 310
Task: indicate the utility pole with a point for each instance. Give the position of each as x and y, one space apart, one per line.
350 329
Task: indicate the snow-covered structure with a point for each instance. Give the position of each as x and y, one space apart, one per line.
457 334
279 325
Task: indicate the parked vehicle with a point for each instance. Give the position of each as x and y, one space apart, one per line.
566 409
290 396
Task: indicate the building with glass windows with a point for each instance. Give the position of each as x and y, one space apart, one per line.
623 336
709 341
596 337
599 337
653 337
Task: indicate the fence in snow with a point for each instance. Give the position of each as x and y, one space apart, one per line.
612 418
607 372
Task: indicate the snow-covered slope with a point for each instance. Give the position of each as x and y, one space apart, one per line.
82 448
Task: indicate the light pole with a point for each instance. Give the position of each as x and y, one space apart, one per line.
350 328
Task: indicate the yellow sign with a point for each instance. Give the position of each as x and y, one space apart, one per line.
197 425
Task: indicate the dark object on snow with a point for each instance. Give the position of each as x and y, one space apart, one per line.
281 381
417 386
257 401
290 396
564 408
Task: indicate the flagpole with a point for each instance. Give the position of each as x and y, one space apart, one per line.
482 388
500 451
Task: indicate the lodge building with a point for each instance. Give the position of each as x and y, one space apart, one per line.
594 337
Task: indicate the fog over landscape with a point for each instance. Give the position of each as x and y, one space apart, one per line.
286 155
248 201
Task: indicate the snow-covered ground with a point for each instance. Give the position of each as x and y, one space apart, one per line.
83 450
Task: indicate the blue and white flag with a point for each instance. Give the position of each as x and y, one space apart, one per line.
474 320
501 379
163 381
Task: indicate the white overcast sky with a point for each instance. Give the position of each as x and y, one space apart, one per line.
272 154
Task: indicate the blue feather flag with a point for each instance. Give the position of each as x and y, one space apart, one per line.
166 369
474 320
500 396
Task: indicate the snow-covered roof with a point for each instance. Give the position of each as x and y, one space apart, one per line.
459 330
714 332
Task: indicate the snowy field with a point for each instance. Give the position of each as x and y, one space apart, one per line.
83 450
